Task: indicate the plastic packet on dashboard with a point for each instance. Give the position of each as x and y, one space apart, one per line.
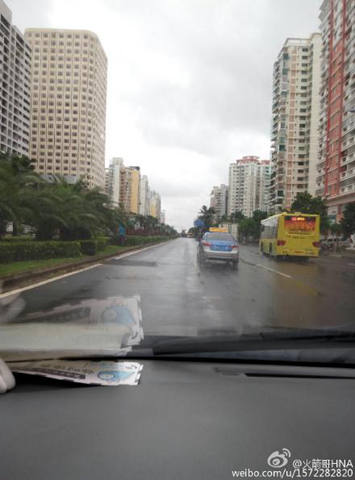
108 373
92 327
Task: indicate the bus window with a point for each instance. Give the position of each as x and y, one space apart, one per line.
300 225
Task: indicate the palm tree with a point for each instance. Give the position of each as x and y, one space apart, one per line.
17 181
236 217
207 215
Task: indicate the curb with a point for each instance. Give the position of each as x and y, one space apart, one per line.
11 282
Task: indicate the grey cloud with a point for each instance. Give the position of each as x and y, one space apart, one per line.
228 52
189 77
33 13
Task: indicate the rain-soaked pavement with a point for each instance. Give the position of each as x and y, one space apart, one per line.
178 297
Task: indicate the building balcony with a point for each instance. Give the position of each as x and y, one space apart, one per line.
348 143
350 50
349 96
349 124
348 159
347 189
349 104
347 174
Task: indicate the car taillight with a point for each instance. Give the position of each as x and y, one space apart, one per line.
280 243
234 247
206 244
316 244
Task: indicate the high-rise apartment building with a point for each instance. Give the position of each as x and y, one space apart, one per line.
124 189
295 118
248 185
219 200
144 206
134 179
263 185
113 180
68 104
130 189
155 205
15 66
336 167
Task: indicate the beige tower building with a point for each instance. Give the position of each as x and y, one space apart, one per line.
15 64
134 187
155 205
68 104
218 200
130 188
295 120
248 185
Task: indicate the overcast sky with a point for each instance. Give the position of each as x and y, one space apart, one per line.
189 82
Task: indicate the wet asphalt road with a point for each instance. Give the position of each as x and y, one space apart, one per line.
180 298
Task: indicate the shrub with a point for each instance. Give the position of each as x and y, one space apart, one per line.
17 238
91 247
34 250
101 243
141 240
88 247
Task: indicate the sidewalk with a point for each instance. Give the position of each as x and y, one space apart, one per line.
342 254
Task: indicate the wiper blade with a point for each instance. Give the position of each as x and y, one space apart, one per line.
273 339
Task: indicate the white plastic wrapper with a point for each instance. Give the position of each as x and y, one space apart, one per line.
108 373
7 380
91 328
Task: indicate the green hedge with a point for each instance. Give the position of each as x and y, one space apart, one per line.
17 238
94 246
141 240
88 247
102 243
16 251
34 250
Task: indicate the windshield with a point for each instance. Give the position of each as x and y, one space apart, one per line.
145 205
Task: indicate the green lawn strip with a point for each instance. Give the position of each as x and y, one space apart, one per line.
34 265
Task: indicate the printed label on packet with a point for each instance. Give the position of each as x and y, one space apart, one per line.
109 373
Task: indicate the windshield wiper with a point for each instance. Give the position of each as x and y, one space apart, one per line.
273 339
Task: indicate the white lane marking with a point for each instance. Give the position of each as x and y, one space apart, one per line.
272 270
49 280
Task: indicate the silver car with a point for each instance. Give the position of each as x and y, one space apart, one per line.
219 246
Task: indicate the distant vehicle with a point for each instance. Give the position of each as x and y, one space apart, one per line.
336 242
347 243
189 235
218 229
231 228
286 234
220 246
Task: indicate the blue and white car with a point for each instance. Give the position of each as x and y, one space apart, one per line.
221 246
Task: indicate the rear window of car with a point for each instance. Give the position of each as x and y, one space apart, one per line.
227 237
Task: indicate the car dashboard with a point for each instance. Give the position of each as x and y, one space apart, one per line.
185 420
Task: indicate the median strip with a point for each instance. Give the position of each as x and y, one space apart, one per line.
9 283
49 280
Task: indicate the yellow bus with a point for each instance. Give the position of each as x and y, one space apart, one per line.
290 234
